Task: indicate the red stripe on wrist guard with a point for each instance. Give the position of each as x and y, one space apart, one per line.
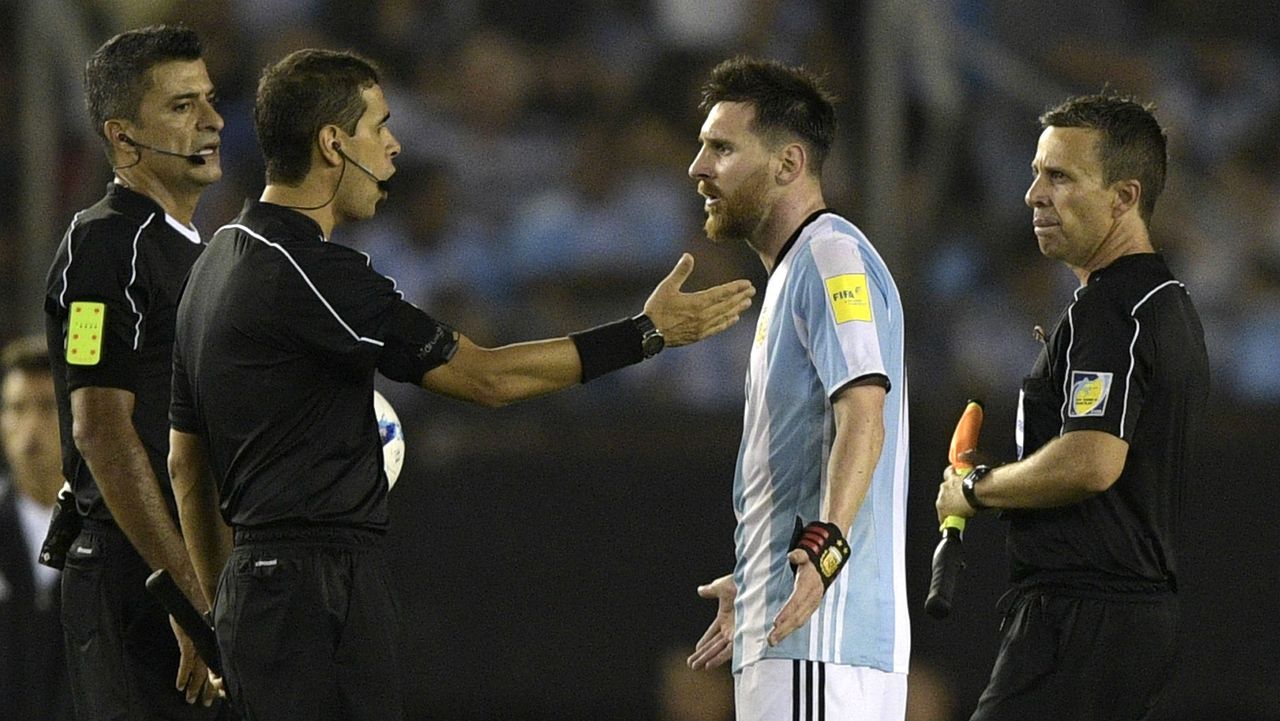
826 548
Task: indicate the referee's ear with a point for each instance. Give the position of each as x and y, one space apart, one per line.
115 133
329 144
1128 196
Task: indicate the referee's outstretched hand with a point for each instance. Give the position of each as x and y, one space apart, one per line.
685 318
716 645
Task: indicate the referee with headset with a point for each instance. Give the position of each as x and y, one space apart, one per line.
279 335
1107 424
111 295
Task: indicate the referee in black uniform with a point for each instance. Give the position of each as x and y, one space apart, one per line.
1107 426
112 294
279 334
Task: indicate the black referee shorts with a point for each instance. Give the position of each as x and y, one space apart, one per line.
307 626
121 653
1081 658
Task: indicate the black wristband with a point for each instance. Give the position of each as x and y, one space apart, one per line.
607 348
967 484
826 548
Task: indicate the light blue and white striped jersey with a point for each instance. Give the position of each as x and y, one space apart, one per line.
831 314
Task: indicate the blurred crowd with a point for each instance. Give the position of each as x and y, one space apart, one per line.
542 186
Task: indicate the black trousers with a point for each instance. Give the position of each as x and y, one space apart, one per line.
121 653
1081 658
307 626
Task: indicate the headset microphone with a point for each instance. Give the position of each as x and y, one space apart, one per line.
193 158
383 185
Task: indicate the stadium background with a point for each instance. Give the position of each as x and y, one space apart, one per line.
548 553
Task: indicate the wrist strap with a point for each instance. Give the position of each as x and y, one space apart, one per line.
608 347
966 485
826 548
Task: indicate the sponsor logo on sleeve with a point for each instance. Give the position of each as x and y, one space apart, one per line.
1089 391
849 297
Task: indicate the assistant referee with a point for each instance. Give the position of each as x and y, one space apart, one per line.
1107 426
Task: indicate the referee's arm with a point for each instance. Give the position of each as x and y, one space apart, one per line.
103 430
495 377
207 538
1066 470
520 371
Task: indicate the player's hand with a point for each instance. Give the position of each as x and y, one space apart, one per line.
195 680
685 318
716 645
805 597
951 500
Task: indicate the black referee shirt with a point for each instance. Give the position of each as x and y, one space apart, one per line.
279 335
109 305
1127 357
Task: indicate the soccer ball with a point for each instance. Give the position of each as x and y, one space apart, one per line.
392 434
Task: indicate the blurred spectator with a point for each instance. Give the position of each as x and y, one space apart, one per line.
33 677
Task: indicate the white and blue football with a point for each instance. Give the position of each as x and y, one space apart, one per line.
392 434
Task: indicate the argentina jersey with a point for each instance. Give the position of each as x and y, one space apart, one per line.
831 314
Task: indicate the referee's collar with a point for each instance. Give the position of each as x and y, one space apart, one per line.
257 213
786 247
1124 263
130 202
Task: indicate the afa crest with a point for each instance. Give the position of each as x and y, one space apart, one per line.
762 325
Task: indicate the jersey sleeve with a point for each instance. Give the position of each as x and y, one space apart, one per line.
101 298
182 407
837 310
1107 370
345 310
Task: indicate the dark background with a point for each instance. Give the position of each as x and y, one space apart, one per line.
548 553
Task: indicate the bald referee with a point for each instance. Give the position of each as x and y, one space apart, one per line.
280 333
1107 424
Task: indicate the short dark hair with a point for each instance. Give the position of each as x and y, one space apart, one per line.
115 77
29 353
787 99
302 93
1132 143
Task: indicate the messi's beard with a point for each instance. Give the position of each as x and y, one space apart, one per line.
740 214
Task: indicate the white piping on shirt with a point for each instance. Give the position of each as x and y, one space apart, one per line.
307 279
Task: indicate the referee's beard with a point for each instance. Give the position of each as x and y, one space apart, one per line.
739 215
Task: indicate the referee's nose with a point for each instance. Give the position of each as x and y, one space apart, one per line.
1037 195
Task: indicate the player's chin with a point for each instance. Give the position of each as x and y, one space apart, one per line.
715 230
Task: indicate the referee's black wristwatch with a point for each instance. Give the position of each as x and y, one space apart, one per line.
651 340
971 480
